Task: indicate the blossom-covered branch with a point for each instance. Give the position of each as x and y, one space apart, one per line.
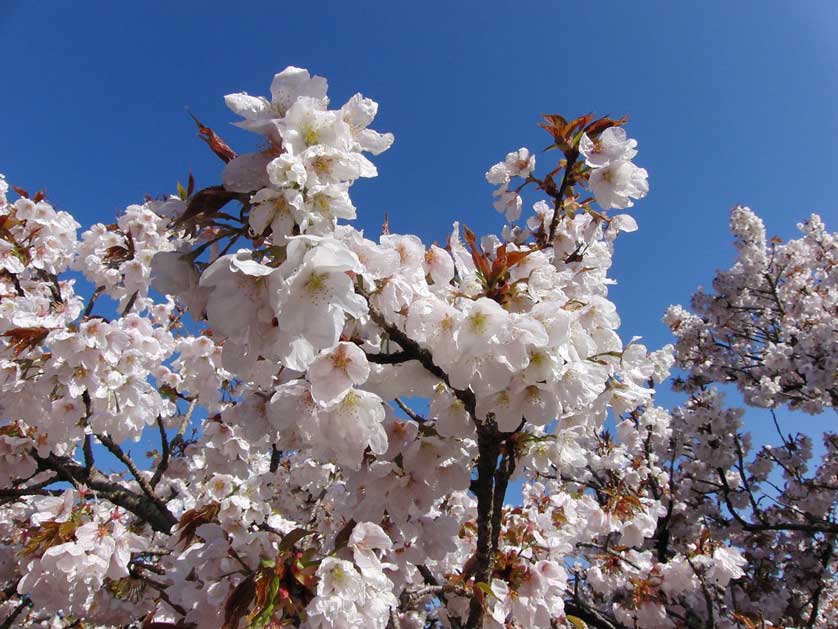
338 418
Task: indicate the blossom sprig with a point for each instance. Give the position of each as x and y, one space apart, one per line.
607 170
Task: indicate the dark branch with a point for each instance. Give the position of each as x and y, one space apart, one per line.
411 350
591 616
489 448
118 452
559 198
153 512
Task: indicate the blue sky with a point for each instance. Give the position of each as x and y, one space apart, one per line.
730 102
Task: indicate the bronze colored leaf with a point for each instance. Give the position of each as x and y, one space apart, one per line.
598 126
25 338
206 202
292 537
218 146
192 519
479 258
238 603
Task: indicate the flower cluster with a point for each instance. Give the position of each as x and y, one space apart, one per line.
615 180
337 419
769 324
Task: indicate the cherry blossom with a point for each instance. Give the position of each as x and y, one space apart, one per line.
279 420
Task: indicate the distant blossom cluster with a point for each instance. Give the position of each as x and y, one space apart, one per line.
337 420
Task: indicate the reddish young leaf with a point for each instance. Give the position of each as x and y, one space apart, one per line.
206 202
598 126
25 338
218 146
238 603
499 263
192 519
556 126
477 255
515 257
578 123
116 254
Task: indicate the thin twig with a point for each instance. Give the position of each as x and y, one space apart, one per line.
184 424
559 198
130 303
167 446
92 301
163 464
409 411
119 453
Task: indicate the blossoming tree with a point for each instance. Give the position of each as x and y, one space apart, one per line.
338 418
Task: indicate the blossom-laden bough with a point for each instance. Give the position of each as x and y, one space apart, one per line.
295 485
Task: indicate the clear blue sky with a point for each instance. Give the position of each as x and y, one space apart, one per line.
731 102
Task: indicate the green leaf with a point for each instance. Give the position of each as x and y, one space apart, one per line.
263 618
487 590
576 622
267 612
181 192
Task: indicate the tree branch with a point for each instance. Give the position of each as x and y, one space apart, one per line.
816 596
591 616
411 350
812 527
559 198
165 453
10 619
502 476
409 411
489 447
119 453
153 512
167 446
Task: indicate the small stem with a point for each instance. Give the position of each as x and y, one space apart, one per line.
119 453
559 198
409 411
